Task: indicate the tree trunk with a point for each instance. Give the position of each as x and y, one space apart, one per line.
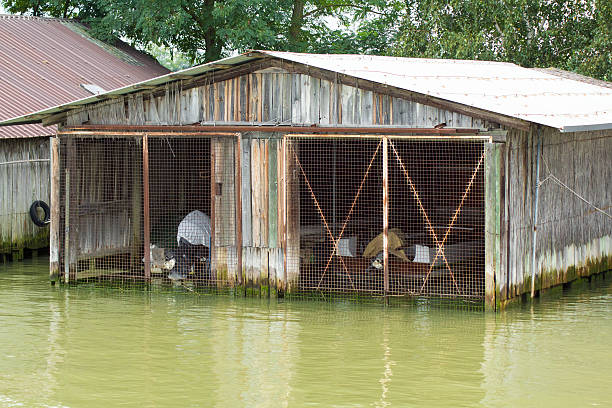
66 5
212 43
36 9
295 29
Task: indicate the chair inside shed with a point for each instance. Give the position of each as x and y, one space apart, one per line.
436 216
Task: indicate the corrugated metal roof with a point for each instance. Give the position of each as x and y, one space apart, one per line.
500 87
44 61
503 88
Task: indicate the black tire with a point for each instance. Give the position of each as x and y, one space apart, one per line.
34 213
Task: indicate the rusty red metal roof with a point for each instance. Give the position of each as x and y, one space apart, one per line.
44 61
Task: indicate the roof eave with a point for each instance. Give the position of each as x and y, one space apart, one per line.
586 128
37 117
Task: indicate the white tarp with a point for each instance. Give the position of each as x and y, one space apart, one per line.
195 228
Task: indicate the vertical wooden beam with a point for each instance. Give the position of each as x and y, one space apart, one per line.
265 224
238 190
67 227
284 209
72 182
55 212
492 225
385 192
213 201
256 193
292 214
147 219
136 206
535 214
272 194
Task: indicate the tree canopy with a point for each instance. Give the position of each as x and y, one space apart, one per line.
574 35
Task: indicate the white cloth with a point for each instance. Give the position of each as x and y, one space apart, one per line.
195 228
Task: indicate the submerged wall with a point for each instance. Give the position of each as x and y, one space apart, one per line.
24 178
573 239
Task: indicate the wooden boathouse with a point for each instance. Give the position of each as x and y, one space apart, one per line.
338 175
46 62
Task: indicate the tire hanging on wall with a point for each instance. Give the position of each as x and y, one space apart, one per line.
34 213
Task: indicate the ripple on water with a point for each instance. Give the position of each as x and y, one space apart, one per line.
88 347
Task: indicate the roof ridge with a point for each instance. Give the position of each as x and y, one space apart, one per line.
24 17
437 60
574 76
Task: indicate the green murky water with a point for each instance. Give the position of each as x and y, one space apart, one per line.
81 347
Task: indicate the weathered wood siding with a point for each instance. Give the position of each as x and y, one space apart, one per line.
20 185
573 239
269 215
269 97
262 212
223 211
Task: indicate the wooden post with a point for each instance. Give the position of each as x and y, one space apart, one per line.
493 216
213 201
284 209
67 227
535 214
386 214
147 220
55 213
292 215
136 209
238 190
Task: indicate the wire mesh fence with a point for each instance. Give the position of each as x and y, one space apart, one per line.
124 219
371 216
433 194
437 213
101 214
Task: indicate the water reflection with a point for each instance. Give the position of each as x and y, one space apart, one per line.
84 347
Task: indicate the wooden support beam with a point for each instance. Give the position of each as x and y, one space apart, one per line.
137 206
67 227
126 130
238 191
213 199
54 236
385 197
493 208
292 215
54 119
147 210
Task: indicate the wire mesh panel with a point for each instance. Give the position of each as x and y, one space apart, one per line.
180 209
340 213
435 205
168 219
101 214
436 218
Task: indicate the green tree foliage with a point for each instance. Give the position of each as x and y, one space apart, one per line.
574 35
206 30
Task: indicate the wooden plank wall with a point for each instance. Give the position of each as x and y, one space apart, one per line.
494 179
262 228
573 239
224 258
269 97
270 238
20 185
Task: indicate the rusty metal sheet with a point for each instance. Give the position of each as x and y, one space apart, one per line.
44 61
